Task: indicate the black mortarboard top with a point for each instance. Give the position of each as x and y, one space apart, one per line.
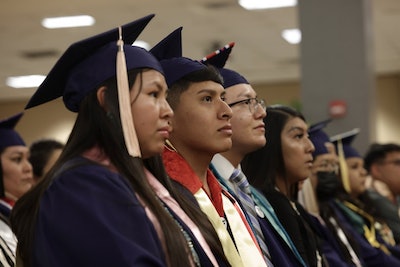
88 63
8 136
318 137
170 46
218 59
169 52
347 138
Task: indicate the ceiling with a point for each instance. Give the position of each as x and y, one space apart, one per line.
260 52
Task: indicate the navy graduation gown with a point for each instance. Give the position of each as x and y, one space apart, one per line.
371 256
90 216
281 254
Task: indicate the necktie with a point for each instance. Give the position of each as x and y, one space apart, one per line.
244 195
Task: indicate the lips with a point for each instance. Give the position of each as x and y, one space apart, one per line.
226 129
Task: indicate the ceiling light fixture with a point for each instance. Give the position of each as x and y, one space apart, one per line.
265 4
292 36
68 22
29 81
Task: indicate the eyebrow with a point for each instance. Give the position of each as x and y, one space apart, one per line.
211 91
296 128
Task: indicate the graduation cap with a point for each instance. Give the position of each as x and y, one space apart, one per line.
8 136
86 64
344 150
170 46
218 59
318 137
169 52
346 139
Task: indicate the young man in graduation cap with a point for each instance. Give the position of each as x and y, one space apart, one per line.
249 135
202 128
382 161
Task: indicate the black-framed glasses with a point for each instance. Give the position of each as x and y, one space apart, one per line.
253 103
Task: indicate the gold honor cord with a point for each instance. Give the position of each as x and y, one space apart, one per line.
344 173
128 127
369 232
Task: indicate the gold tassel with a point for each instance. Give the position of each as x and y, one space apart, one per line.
344 172
128 127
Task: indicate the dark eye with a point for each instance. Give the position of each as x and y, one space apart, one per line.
17 159
248 101
207 98
154 94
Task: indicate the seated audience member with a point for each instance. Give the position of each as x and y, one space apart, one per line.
249 135
15 180
277 168
352 214
43 154
202 128
382 162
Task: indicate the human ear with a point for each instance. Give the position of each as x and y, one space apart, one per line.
101 96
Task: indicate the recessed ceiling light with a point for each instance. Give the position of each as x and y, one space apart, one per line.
264 4
29 81
292 36
68 22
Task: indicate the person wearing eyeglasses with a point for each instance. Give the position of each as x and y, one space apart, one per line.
248 135
382 162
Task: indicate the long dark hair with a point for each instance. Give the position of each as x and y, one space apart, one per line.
95 126
265 164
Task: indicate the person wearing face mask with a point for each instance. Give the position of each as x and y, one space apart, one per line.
315 196
327 186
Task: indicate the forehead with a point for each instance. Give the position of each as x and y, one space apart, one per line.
393 155
295 123
240 90
15 149
205 87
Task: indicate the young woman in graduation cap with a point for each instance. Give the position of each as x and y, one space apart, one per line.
16 178
276 170
107 200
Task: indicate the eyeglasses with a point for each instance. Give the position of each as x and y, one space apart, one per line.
253 103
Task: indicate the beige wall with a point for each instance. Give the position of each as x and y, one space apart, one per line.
53 120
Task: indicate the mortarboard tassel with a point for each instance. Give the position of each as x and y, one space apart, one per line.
128 127
344 173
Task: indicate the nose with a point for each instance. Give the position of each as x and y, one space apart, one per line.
225 111
27 167
260 112
166 110
311 147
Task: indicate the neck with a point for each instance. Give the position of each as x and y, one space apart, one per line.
198 161
281 185
233 157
